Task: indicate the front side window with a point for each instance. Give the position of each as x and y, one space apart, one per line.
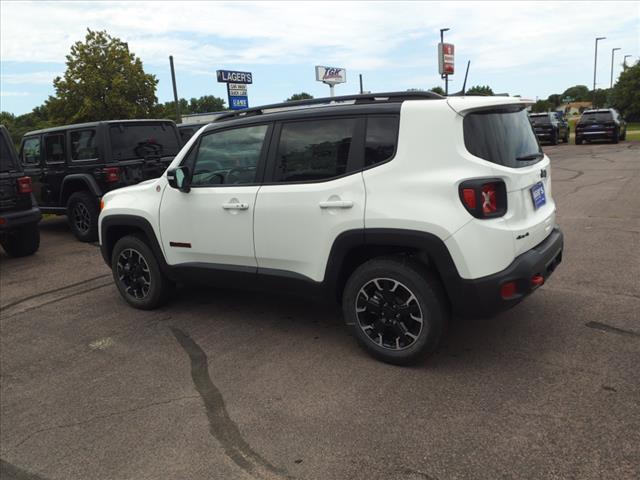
229 157
381 140
31 151
503 136
83 145
314 150
54 148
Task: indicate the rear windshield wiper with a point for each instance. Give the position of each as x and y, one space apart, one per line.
533 156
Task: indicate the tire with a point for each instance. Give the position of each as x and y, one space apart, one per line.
578 141
566 137
382 328
146 287
22 241
82 215
554 138
616 137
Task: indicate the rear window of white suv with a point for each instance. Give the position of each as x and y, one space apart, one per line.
503 136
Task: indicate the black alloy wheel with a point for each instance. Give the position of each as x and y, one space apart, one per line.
133 273
389 313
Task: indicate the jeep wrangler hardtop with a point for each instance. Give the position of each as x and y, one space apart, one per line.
404 207
19 213
73 166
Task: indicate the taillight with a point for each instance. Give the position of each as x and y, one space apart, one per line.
484 198
24 185
111 174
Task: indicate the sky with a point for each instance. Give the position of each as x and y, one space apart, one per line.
531 49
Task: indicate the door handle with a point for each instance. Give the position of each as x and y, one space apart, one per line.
235 206
336 204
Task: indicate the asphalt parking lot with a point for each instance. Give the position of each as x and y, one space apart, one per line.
224 384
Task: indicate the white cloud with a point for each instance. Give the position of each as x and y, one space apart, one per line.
5 93
32 78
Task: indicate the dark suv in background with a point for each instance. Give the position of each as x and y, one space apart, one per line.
601 124
74 165
19 214
550 127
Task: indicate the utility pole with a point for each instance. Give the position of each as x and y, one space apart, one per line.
361 84
175 90
613 51
595 65
444 75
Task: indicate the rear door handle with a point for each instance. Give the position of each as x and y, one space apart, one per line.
235 206
336 204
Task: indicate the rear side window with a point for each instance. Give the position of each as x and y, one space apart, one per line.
83 145
502 136
314 150
31 151
143 140
54 148
6 156
381 139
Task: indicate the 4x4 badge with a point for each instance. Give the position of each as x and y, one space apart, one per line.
543 173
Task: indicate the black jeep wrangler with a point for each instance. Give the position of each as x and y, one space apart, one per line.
19 214
74 165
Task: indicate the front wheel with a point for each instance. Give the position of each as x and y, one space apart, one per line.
396 309
22 241
138 275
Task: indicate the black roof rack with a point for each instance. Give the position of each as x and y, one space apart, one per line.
357 99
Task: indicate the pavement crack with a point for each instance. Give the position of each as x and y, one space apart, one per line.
11 472
608 328
100 417
221 426
52 296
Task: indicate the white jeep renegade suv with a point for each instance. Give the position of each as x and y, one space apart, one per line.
403 206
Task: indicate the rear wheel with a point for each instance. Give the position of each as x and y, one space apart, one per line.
22 241
616 136
82 215
578 140
554 137
566 136
396 309
138 275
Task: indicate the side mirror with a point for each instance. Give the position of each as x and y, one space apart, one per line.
179 178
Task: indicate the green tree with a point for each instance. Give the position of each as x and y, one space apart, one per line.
541 106
299 96
482 90
579 93
438 90
18 125
601 97
555 100
625 95
206 104
104 80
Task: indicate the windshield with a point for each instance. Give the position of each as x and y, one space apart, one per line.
7 160
143 140
502 136
596 117
540 119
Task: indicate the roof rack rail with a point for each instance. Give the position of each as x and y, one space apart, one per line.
357 99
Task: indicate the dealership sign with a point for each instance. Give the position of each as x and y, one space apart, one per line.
445 58
236 87
331 75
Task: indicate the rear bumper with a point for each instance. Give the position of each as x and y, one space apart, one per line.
13 219
481 297
598 134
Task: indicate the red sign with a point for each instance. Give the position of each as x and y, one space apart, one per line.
445 58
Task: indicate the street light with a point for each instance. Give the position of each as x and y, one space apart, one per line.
613 51
624 60
595 64
444 75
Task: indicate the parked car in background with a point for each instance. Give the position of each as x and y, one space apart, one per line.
601 124
550 127
188 129
19 213
73 166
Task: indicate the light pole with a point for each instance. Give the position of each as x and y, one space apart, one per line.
595 64
444 75
613 51
624 60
